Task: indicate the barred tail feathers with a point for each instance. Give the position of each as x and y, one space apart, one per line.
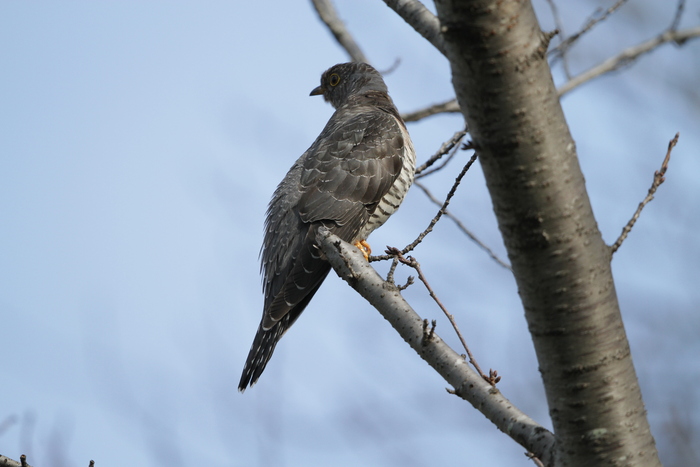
261 351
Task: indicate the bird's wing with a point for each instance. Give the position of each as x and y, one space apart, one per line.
290 267
341 178
338 183
354 166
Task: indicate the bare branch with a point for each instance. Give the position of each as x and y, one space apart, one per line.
658 180
677 17
450 106
421 19
439 214
411 262
560 50
439 167
351 266
326 11
628 56
446 147
394 66
464 229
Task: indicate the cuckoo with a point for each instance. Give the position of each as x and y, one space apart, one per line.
351 179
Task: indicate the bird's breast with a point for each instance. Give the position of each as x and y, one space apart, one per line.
393 198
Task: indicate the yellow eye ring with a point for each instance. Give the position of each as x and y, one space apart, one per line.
334 79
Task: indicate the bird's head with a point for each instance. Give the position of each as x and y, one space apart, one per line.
341 81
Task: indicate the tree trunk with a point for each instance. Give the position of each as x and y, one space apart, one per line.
561 264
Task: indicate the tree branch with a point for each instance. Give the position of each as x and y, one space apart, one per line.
327 12
411 262
611 64
628 56
350 265
445 148
450 106
7 462
658 180
677 17
437 217
419 18
464 228
560 50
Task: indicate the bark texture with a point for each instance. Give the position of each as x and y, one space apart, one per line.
561 264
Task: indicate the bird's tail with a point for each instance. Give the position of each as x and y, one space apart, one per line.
261 351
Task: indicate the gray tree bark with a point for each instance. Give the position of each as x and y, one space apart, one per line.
561 264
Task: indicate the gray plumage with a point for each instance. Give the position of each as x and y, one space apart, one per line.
351 179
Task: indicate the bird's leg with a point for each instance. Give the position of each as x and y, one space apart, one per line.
364 247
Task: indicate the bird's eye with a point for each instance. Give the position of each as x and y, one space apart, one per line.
334 79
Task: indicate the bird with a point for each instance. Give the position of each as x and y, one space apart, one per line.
350 180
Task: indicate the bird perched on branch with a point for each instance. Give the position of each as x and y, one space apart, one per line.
351 179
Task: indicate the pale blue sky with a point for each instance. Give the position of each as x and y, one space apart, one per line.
139 145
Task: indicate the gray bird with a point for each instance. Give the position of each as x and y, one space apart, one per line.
351 179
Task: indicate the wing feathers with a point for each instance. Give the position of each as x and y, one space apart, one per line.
339 182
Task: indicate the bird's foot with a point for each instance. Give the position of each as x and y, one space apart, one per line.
364 247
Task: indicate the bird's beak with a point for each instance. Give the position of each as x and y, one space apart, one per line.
317 91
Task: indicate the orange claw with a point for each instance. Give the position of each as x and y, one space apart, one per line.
364 247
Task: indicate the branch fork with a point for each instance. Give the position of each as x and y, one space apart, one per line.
352 267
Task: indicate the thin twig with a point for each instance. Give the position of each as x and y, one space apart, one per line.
392 270
677 17
658 180
350 265
392 68
409 282
439 214
559 24
464 229
441 166
326 11
628 56
411 262
450 106
559 51
444 149
437 217
534 459
390 276
421 19
624 58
